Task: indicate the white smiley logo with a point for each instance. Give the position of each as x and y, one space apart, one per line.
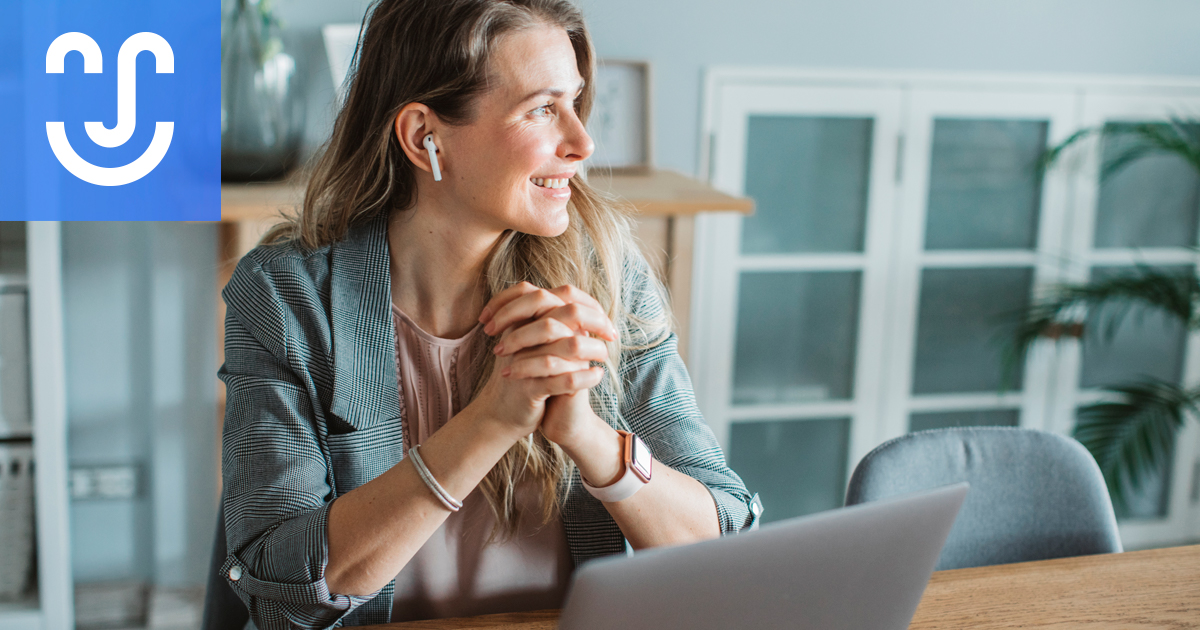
126 107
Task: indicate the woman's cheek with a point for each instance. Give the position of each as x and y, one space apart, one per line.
532 144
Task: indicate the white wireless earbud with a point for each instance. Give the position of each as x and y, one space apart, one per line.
432 148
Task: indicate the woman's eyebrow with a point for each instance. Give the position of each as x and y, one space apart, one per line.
555 92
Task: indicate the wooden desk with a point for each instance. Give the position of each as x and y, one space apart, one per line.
1159 588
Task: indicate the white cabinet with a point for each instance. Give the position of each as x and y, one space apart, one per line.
37 306
900 219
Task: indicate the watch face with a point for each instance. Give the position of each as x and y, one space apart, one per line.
641 460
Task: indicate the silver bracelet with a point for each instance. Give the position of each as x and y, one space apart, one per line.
450 502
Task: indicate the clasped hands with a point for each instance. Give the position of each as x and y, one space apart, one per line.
548 339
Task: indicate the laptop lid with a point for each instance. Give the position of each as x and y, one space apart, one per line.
862 567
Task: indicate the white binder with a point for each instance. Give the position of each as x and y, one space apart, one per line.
15 420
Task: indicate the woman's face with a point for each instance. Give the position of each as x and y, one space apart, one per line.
501 168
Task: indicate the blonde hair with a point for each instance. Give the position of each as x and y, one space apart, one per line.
436 53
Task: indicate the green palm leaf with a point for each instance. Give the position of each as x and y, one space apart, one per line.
1108 302
1133 436
1178 136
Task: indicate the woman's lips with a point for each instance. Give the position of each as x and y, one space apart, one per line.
553 187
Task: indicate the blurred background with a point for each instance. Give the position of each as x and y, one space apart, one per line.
906 227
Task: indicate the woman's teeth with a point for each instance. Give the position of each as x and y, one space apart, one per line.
548 183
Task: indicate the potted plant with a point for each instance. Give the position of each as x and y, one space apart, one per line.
262 104
1132 434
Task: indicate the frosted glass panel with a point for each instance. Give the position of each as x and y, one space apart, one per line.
984 189
796 466
808 177
1151 202
980 418
965 319
796 336
1146 344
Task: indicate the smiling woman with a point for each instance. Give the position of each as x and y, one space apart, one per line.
445 393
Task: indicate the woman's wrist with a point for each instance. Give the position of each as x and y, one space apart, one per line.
488 426
596 451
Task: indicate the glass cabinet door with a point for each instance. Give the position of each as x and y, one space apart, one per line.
787 401
980 232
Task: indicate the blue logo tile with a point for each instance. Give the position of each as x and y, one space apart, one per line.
111 110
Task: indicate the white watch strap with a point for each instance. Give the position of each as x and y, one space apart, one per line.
625 487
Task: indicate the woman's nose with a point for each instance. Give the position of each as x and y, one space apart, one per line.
576 143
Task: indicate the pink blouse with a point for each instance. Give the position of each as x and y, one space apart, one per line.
456 573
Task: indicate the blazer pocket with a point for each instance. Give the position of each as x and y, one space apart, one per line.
337 426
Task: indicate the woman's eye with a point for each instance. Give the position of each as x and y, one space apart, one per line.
544 110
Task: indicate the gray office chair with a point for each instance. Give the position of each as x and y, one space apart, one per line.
1034 495
223 609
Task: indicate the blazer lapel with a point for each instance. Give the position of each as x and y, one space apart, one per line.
365 384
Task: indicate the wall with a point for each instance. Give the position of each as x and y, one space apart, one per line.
140 326
682 37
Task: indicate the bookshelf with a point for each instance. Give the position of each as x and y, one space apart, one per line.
38 264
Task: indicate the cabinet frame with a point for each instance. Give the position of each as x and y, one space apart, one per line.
883 399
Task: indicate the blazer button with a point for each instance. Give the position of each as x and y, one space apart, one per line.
235 573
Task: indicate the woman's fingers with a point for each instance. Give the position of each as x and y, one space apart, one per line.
513 304
585 319
525 303
567 321
504 297
542 366
573 348
536 333
570 382
571 295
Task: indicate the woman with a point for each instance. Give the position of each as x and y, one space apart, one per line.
428 368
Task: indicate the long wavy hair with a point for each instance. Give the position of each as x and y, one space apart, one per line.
437 53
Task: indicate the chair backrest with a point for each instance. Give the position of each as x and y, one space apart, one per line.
1034 495
223 609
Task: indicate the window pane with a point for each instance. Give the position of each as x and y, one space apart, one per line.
1147 343
981 418
796 336
965 319
984 189
808 177
798 467
1151 202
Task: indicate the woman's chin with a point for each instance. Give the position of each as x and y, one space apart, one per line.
549 223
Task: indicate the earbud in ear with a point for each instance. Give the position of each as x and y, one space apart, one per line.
433 162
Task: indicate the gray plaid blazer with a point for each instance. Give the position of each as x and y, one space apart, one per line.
313 411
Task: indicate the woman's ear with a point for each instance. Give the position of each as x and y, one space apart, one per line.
412 124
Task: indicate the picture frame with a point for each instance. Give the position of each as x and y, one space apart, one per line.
621 122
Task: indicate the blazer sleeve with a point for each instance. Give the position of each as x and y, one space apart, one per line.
276 474
659 405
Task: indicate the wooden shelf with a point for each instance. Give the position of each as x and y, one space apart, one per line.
669 194
259 201
659 194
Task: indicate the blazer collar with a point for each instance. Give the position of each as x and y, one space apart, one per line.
365 384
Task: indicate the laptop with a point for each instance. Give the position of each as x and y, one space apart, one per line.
862 567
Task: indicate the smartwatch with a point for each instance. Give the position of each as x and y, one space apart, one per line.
639 464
